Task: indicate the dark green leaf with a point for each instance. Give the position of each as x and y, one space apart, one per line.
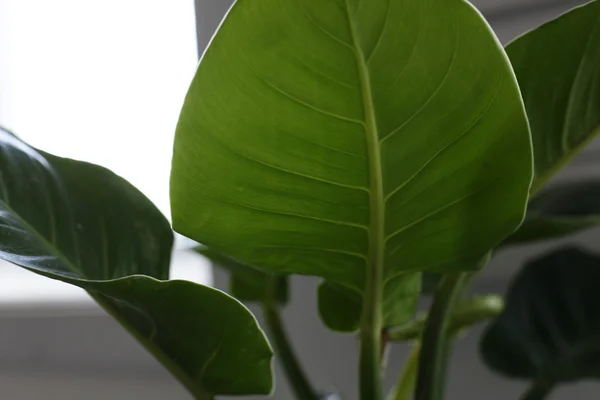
82 224
560 210
248 283
430 282
340 308
319 135
549 330
558 69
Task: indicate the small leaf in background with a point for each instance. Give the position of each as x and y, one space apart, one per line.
248 283
82 224
549 331
560 210
558 69
319 135
340 307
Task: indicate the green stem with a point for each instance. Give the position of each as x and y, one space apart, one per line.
285 353
406 384
466 313
539 390
435 344
372 319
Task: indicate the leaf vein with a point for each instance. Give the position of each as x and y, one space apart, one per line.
384 25
435 212
448 146
308 105
285 170
302 216
323 30
430 98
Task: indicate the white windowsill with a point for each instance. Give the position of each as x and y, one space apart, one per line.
24 293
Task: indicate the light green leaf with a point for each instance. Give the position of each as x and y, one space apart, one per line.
558 69
560 210
353 140
248 283
82 224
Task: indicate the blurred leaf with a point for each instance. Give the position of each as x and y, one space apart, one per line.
340 307
248 283
465 314
82 224
560 210
430 282
328 138
549 330
558 69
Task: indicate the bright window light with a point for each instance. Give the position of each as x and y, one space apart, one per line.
100 81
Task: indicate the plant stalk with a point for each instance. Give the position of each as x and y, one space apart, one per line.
539 390
287 357
466 314
436 338
406 384
372 318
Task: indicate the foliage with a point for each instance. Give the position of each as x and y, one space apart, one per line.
389 147
82 224
549 331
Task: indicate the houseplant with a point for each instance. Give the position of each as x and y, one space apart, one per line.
366 143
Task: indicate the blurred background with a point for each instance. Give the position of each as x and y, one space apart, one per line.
103 81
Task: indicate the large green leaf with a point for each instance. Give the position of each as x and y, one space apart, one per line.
558 69
352 138
247 283
560 210
82 224
549 330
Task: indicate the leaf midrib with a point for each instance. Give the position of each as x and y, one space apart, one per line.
376 232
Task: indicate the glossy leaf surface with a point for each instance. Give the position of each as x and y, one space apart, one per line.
558 69
332 138
560 210
248 283
549 330
82 224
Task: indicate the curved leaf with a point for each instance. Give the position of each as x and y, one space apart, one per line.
558 69
336 138
560 210
549 330
82 224
248 283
